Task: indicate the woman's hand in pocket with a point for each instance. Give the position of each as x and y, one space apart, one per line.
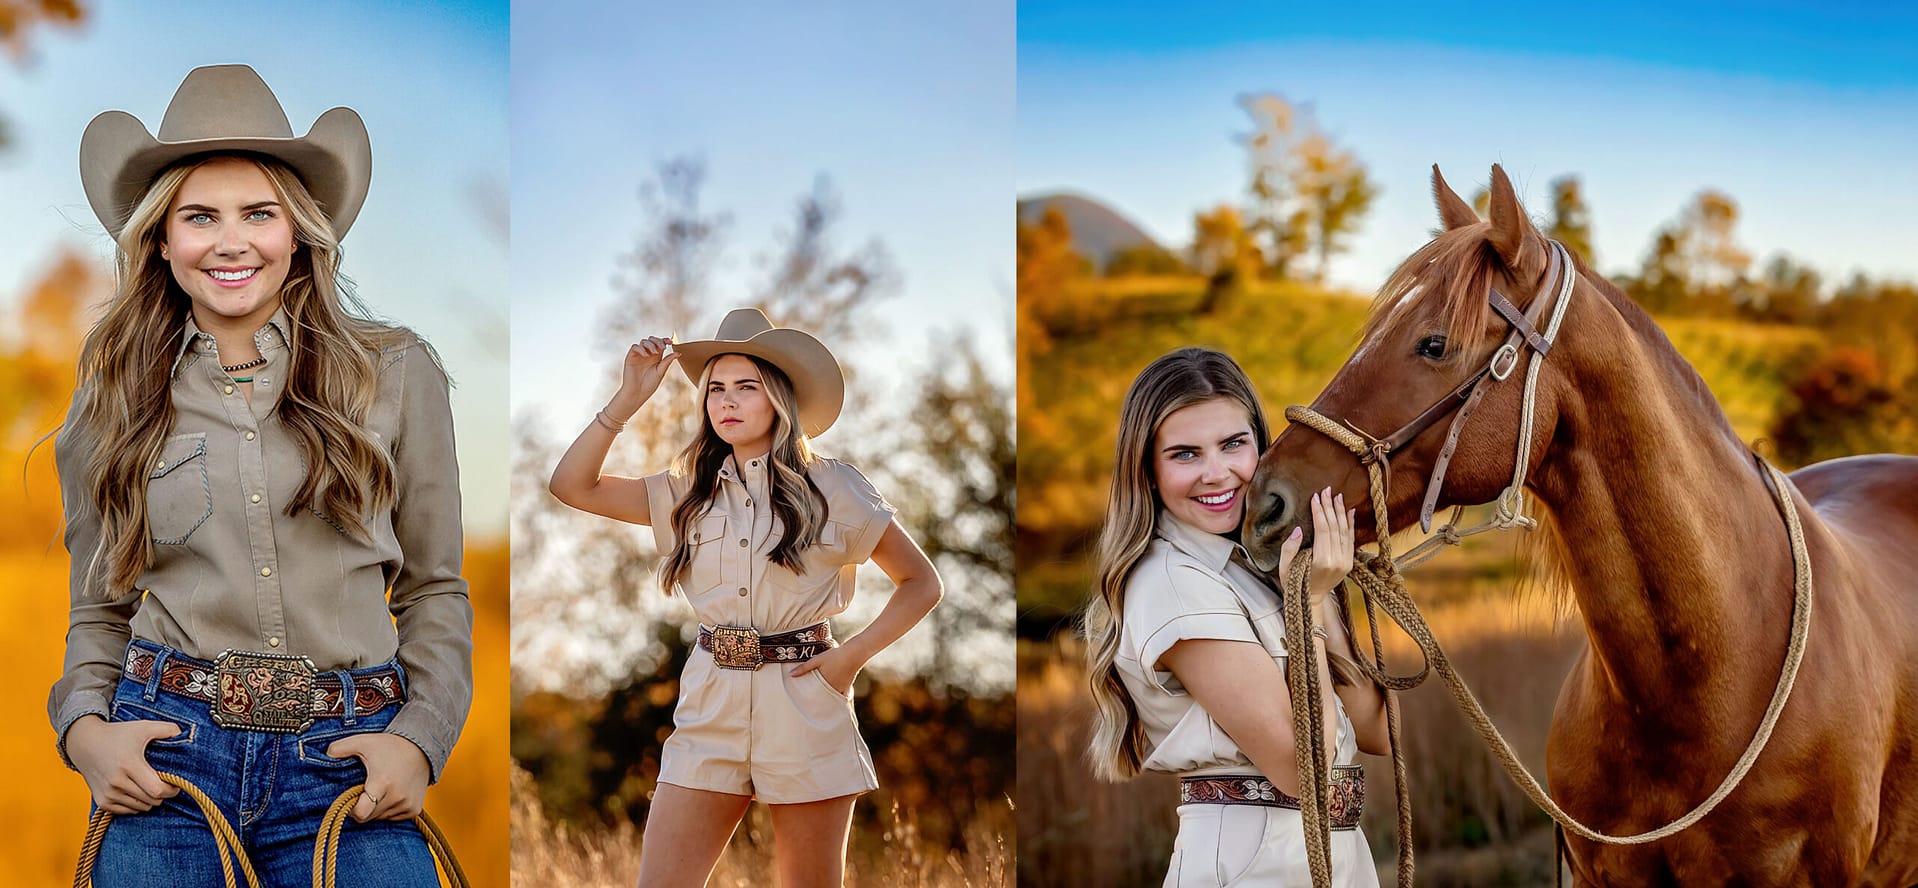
838 667
396 775
112 758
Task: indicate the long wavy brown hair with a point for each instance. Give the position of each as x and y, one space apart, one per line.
124 410
797 501
1175 381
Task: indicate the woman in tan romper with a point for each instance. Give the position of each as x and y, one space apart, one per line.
1187 639
763 537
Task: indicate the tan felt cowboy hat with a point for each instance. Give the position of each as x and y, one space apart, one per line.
818 384
225 108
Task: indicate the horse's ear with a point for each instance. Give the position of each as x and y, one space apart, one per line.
1454 212
1512 235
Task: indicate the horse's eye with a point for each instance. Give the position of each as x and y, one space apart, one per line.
1432 347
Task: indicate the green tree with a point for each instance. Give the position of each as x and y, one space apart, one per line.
1786 293
1695 265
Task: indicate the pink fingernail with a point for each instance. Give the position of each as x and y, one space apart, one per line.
1298 532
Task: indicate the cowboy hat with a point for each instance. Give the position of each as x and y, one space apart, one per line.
818 383
225 108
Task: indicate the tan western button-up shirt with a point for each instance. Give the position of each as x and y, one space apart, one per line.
1191 584
732 582
232 570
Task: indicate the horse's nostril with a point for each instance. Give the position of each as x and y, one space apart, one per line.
1274 511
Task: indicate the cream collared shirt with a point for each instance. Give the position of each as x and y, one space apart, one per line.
232 570
1191 584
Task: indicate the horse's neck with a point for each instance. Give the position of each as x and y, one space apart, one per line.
1675 549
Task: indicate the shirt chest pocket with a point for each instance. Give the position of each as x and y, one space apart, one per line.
709 547
829 554
179 498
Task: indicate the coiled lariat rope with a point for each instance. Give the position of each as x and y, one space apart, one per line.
1378 578
326 846
224 838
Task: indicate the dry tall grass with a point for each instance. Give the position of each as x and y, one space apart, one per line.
1472 825
554 854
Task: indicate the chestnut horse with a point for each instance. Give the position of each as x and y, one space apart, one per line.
1673 546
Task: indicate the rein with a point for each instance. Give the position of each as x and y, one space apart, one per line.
1382 586
326 845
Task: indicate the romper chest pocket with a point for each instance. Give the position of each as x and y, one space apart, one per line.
707 547
179 498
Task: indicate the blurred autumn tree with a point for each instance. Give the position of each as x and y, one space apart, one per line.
1571 219
1695 265
1307 194
1841 404
18 19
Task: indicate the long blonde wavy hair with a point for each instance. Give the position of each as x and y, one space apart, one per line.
125 410
796 500
1177 380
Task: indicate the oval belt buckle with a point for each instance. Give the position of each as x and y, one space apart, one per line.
737 647
263 692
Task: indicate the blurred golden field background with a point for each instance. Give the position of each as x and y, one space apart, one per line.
1806 369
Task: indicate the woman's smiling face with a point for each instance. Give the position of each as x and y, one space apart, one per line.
1202 458
229 242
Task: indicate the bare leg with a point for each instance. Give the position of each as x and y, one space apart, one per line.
810 842
686 831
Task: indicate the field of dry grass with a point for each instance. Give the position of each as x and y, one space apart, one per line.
557 855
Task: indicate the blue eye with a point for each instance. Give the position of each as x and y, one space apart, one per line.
199 219
260 215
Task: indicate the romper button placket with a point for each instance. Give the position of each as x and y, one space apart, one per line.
742 590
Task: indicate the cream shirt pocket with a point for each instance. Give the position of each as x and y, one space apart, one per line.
179 497
707 568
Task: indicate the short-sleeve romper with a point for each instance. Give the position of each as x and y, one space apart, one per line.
763 732
1191 584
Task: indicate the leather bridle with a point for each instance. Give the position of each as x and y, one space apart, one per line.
1555 289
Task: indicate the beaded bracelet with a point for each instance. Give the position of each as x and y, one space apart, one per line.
607 424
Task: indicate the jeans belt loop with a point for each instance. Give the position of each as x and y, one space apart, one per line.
152 690
347 697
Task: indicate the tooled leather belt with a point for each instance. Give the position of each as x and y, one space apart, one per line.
1347 798
742 647
265 692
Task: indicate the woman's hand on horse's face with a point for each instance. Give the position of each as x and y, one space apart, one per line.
643 370
1332 543
112 758
396 775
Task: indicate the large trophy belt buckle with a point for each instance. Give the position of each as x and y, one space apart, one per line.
737 647
263 692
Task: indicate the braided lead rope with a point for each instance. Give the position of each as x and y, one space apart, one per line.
326 845
225 840
1379 580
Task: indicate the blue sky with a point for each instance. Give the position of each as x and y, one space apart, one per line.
1807 116
432 85
906 108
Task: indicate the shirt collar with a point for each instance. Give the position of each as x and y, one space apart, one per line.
1211 549
271 335
755 467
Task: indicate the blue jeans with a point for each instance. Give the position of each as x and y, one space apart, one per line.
273 788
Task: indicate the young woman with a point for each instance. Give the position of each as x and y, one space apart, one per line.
248 465
1187 640
763 538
